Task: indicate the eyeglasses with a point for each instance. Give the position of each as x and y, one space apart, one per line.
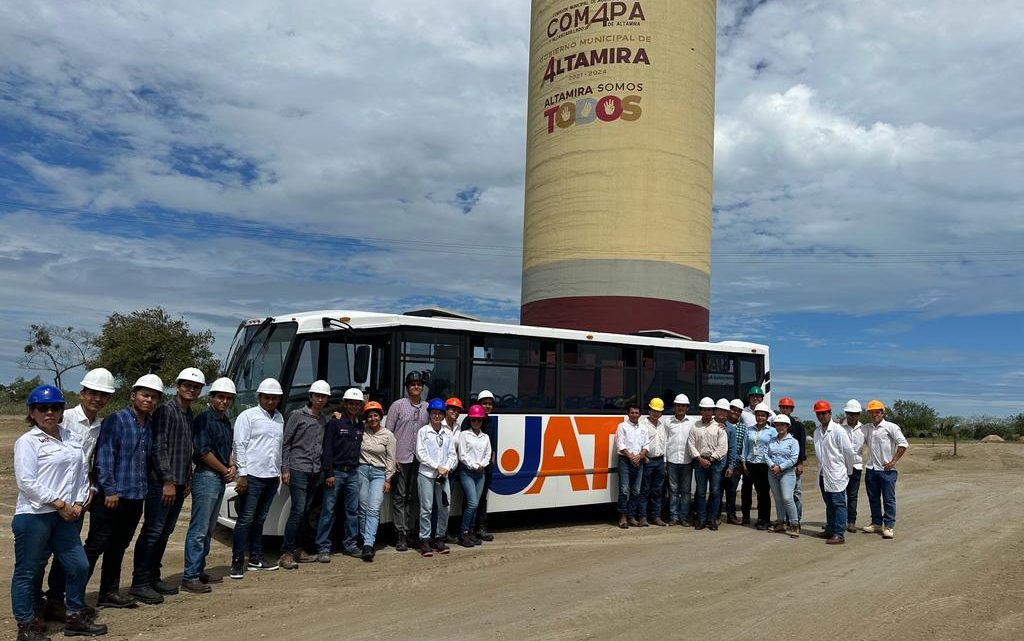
55 408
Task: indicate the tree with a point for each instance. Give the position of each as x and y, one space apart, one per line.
915 418
17 391
55 349
149 341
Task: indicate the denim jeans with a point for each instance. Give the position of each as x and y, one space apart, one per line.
481 509
207 493
346 482
158 521
472 489
798 495
371 495
652 487
835 510
881 488
56 580
630 481
782 493
729 487
680 480
708 494
35 537
852 490
433 496
302 487
110 533
254 504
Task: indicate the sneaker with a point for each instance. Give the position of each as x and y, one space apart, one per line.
368 553
793 531
352 550
887 533
206 578
323 557
401 543
237 569
165 588
484 535
78 625
779 527
441 546
464 540
425 549
474 540
288 562
657 521
872 529
146 594
262 565
713 526
195 587
115 600
302 556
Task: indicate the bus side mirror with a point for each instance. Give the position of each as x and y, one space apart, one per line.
361 366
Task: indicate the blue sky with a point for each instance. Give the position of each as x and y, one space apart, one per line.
868 221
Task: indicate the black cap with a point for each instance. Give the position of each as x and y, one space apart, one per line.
413 377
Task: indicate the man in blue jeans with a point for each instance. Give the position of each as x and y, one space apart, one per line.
652 486
835 462
211 439
169 478
302 457
680 464
886 445
708 444
343 438
631 441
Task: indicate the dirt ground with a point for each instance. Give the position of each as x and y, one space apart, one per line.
955 571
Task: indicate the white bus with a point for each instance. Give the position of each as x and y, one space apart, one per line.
560 393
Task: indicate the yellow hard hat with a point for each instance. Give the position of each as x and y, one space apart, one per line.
875 405
657 404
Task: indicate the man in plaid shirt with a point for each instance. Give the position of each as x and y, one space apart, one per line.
737 431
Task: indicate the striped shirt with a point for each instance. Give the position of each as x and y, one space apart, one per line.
122 450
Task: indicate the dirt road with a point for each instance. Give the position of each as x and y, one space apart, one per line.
955 571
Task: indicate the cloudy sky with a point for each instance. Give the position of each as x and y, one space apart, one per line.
256 157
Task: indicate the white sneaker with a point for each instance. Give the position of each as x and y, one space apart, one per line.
871 529
887 533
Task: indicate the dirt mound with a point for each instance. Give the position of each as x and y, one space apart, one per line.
993 438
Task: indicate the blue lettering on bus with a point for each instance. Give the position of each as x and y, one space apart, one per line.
516 482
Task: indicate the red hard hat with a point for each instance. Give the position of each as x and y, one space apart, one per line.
453 402
822 406
477 411
786 402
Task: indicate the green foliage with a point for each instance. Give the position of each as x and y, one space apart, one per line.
56 349
12 396
915 418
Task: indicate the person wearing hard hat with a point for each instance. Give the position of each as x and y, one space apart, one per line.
797 430
652 485
123 448
835 463
258 434
855 430
436 453
755 467
755 397
680 463
452 409
736 430
170 480
343 439
404 418
83 424
211 443
886 445
631 442
708 444
485 399
783 452
722 410
474 449
376 468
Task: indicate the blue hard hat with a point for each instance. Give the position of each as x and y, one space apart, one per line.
435 404
44 394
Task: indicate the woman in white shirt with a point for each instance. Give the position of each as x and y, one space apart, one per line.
474 453
52 488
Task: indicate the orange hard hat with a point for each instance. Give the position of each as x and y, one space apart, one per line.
373 405
786 402
453 402
875 404
822 406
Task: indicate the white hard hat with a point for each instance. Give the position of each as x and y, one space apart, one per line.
485 393
320 387
852 406
192 375
722 404
99 379
782 418
707 403
150 381
353 394
737 403
224 385
270 386
763 407
681 399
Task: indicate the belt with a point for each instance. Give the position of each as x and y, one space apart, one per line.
345 468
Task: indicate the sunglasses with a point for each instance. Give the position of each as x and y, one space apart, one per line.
55 408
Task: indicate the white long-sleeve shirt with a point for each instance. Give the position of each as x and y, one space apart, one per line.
84 431
657 437
435 449
632 437
47 469
258 440
856 435
835 456
474 449
708 440
677 433
882 441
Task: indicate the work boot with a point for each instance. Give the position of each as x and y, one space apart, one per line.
851 527
483 534
368 553
686 522
78 625
206 578
115 600
195 587
146 594
699 525
732 520
302 556
288 562
29 631
643 521
623 522
472 539
657 521
323 557
835 540
793 531
464 540
633 522
441 546
165 588
401 543
780 527
53 610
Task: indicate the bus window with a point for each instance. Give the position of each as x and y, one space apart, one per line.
437 356
598 377
519 371
718 376
333 360
264 359
667 372
750 374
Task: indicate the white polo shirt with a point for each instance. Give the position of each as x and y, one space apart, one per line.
258 440
47 469
882 442
677 432
632 437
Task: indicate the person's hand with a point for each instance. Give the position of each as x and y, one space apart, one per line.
229 475
776 470
442 471
286 477
110 501
728 473
705 463
799 469
387 486
329 481
169 494
889 466
241 484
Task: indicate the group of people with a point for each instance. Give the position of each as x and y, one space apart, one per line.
733 445
140 463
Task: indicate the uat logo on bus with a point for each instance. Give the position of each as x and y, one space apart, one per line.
555 450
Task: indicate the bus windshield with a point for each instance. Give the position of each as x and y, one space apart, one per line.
263 357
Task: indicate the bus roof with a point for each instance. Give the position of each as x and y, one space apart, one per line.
314 321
